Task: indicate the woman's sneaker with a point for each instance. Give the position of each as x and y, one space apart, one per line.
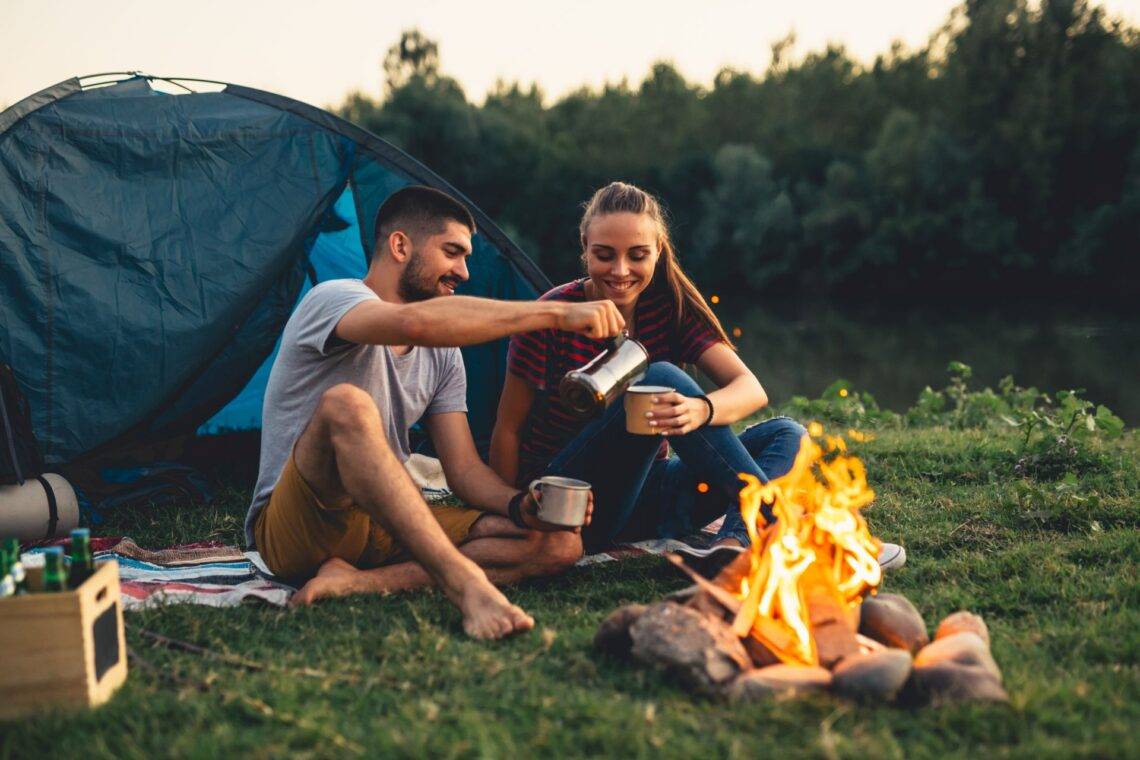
709 562
892 557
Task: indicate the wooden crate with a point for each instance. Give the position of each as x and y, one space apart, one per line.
64 649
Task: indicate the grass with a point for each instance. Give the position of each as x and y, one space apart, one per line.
1052 566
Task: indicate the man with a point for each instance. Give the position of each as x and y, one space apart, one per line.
360 362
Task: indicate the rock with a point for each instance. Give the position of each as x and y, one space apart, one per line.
778 682
874 676
960 648
963 622
613 634
946 683
957 667
702 652
892 620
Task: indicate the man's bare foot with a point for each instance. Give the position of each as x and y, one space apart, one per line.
487 614
334 578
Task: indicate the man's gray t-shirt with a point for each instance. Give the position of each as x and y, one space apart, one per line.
312 360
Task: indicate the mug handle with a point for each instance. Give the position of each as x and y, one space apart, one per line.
535 489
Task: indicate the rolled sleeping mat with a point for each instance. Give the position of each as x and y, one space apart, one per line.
43 507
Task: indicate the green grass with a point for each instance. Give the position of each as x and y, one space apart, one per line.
1051 566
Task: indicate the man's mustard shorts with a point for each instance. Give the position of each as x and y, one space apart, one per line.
296 533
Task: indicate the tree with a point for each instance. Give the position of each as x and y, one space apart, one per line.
413 57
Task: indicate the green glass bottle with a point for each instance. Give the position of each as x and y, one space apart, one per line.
55 572
7 582
82 559
15 565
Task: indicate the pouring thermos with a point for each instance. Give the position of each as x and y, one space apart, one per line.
589 389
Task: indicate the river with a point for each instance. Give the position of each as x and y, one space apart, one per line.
799 349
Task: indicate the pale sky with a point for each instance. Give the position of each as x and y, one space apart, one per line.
320 52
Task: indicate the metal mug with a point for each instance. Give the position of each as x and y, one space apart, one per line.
564 500
591 388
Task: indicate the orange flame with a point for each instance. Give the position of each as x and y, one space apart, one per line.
816 507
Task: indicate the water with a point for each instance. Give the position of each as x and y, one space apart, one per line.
800 350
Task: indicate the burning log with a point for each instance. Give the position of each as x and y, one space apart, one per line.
792 614
832 624
723 597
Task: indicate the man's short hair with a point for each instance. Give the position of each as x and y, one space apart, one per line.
418 211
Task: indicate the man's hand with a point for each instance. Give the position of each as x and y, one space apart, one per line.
529 511
594 319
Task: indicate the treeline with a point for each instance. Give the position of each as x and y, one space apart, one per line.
1002 157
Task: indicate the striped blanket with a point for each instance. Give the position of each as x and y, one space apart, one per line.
206 573
217 575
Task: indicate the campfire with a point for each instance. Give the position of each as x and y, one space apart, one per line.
799 611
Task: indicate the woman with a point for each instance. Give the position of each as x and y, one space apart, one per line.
639 490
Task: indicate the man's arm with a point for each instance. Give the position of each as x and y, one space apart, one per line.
465 320
473 481
467 476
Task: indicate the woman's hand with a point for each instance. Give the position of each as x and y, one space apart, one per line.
677 414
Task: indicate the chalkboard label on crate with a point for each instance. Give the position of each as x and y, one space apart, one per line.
105 632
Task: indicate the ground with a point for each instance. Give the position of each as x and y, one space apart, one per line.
1050 564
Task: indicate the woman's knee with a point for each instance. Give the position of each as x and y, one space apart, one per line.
671 376
776 427
786 426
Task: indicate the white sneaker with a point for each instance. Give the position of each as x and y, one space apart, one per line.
892 557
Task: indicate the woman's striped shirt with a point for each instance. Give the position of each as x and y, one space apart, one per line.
543 357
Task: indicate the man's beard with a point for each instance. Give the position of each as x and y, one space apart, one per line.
413 284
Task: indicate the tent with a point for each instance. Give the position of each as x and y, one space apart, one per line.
155 235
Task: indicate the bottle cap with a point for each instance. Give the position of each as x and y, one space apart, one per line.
54 550
80 533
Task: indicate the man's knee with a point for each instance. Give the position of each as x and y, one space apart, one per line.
347 407
672 376
556 552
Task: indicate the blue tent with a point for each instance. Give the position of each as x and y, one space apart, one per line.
152 246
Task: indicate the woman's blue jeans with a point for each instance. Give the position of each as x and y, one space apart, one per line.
637 496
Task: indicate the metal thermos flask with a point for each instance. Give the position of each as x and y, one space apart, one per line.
591 388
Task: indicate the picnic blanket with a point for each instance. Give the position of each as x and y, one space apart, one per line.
207 572
217 575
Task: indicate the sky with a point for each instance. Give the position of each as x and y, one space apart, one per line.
319 53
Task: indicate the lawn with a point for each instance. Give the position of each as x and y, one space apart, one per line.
1050 563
